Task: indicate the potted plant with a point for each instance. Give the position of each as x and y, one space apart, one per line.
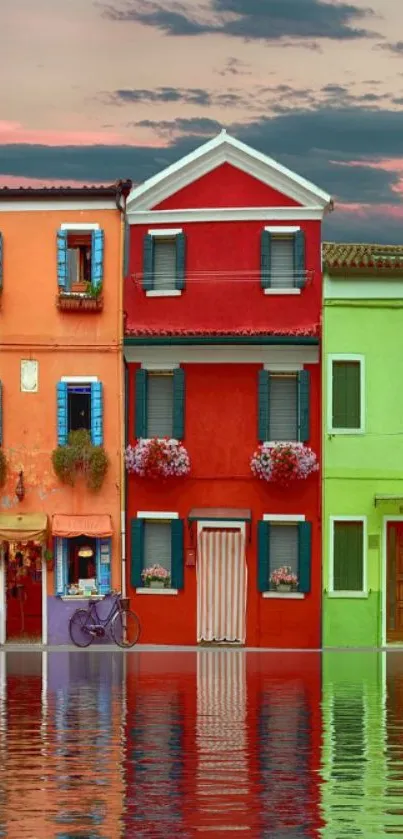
282 579
155 576
157 458
80 456
283 463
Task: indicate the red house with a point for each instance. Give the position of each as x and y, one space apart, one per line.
222 347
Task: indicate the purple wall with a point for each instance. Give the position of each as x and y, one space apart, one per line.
59 614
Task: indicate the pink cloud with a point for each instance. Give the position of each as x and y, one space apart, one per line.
14 132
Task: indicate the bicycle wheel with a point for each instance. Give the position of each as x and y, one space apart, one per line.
125 629
79 635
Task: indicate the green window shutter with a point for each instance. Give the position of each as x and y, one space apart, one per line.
179 404
1 261
303 406
263 405
180 261
348 556
177 575
263 556
137 552
140 411
346 394
299 259
1 413
265 259
304 556
148 263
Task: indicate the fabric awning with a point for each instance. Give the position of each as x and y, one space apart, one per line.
67 527
219 513
381 499
25 527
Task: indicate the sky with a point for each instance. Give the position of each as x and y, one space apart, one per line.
92 91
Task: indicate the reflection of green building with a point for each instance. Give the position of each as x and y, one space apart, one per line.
363 445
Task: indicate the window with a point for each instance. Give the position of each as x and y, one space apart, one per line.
157 538
80 406
284 406
283 259
347 573
80 258
284 542
160 403
346 394
85 559
164 262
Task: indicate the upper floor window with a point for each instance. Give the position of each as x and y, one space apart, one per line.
283 268
346 394
80 259
164 262
79 407
160 403
284 410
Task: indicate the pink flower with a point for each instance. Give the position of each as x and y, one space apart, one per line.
283 462
157 458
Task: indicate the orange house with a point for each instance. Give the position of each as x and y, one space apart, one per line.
61 382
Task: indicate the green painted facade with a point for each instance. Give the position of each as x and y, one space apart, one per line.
358 465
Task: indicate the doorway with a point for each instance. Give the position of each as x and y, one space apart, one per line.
394 583
23 591
221 584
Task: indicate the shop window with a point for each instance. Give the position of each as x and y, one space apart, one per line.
81 559
284 406
284 544
82 564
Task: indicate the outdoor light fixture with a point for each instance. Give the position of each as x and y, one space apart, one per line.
20 489
85 551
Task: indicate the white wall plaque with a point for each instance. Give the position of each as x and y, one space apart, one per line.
29 376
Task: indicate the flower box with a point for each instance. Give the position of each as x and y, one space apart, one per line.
71 302
155 576
283 463
282 579
157 458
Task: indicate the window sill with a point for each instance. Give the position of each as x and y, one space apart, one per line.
345 432
348 595
272 291
73 301
69 597
283 595
169 292
156 590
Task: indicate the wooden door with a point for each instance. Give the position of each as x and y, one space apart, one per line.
394 612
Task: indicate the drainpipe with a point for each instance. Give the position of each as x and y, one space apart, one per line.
122 192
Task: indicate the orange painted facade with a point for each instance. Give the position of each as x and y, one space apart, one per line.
64 344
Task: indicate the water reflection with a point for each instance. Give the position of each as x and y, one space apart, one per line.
99 744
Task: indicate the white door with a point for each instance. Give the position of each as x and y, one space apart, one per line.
221 584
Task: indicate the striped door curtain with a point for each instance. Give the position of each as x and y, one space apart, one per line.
221 585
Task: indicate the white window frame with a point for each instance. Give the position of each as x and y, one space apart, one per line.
78 227
282 231
332 357
292 370
164 233
286 518
348 594
157 515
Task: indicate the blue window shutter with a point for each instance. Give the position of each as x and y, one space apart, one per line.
62 260
304 406
299 259
180 261
177 572
140 413
263 405
97 409
1 413
62 414
148 263
304 556
263 557
179 404
1 261
103 560
97 258
60 552
265 259
137 552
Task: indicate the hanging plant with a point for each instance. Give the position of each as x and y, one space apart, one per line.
283 463
157 458
3 468
79 456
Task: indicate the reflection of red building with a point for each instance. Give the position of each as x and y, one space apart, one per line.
222 336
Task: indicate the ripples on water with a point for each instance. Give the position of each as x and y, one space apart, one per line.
215 742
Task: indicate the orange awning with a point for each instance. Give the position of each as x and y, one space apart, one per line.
67 527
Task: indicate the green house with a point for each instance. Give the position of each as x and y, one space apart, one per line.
362 445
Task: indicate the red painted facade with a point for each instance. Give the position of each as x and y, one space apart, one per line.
223 296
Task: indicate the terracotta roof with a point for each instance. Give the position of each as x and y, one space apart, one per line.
93 190
340 255
146 331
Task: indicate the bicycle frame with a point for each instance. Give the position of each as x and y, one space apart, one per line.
102 623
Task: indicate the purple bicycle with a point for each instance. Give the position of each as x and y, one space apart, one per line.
121 624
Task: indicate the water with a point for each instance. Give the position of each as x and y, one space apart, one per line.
214 743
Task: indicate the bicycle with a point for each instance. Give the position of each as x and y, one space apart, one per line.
121 623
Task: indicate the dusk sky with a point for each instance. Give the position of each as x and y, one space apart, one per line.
92 91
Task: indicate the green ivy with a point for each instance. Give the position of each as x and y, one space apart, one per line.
79 456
